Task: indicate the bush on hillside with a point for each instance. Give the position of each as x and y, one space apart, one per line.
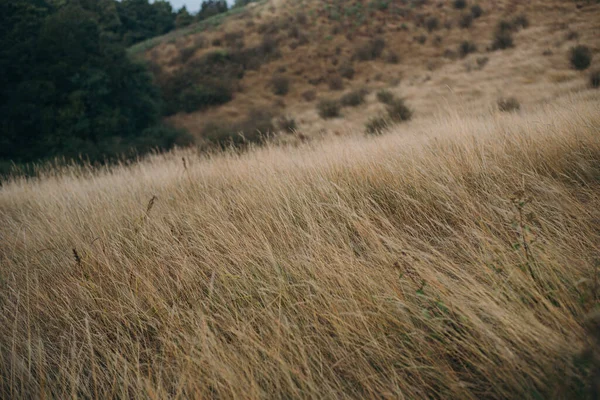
377 125
385 96
203 82
335 82
580 57
392 57
595 79
571 35
280 85
301 18
185 54
346 70
460 4
294 32
421 39
465 21
465 48
234 39
398 111
370 50
202 96
255 128
354 98
476 11
287 124
309 95
502 36
482 61
520 22
328 108
509 104
432 23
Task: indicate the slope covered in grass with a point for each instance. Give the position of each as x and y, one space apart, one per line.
325 49
456 259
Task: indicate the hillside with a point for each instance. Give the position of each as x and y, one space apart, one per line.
325 49
455 258
449 253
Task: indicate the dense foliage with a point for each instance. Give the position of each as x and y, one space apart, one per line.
67 87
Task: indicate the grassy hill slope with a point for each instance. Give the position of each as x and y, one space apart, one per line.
457 258
437 56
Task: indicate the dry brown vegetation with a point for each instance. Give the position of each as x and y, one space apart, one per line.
457 259
313 41
450 253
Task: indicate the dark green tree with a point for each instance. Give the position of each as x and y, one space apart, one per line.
141 20
210 8
184 18
69 90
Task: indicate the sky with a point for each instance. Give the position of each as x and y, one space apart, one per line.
192 5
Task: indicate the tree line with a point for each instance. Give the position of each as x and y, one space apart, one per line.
67 86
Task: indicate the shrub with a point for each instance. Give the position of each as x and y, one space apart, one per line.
460 4
186 53
253 129
280 85
504 25
509 104
476 11
268 45
482 61
449 53
392 58
161 137
572 35
466 48
385 96
370 50
346 70
421 39
465 21
595 79
303 39
199 97
502 36
398 111
336 83
287 124
432 24
202 82
377 125
294 32
520 21
234 39
309 95
580 57
301 18
354 98
328 108
200 42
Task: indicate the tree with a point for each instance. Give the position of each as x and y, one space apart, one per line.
184 18
68 89
141 20
210 8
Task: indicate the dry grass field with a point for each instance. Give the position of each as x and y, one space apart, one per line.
455 258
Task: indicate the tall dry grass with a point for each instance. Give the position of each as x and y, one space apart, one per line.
454 259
